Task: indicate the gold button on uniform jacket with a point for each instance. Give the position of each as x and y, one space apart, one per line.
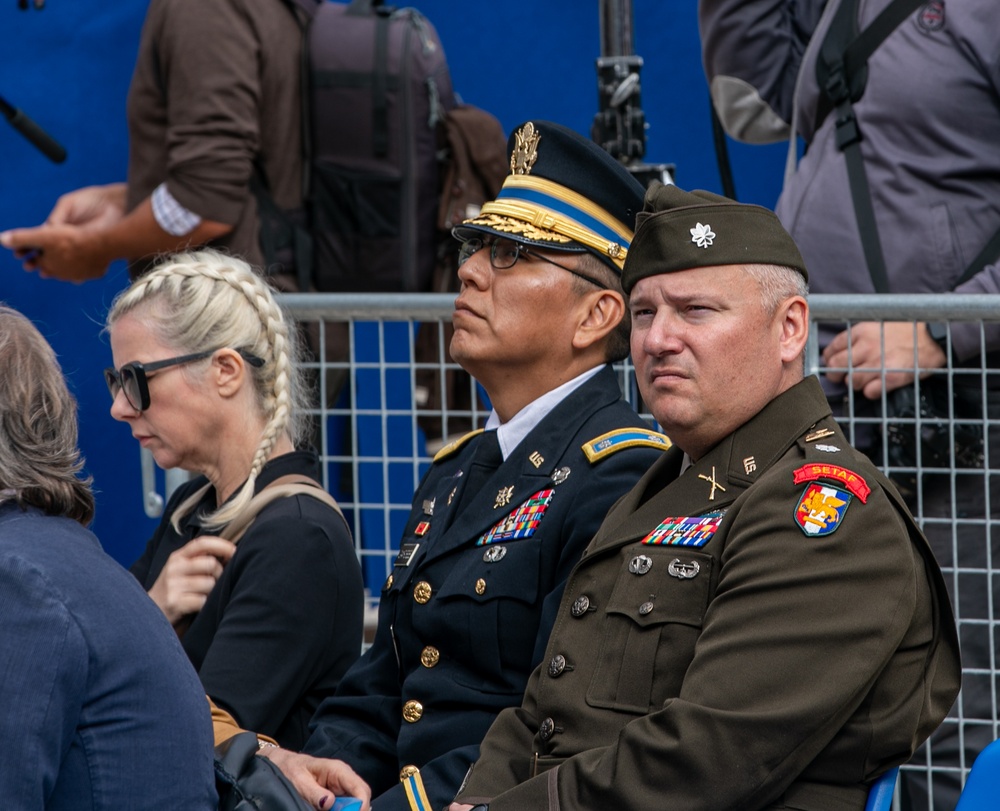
766 629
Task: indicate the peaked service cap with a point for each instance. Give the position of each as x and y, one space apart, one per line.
679 230
563 193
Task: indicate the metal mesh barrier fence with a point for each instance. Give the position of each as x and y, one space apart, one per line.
389 398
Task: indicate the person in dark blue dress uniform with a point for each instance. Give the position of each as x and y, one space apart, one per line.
504 513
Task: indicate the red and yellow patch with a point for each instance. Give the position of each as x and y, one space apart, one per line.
821 509
847 478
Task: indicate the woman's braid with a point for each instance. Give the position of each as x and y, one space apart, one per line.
188 310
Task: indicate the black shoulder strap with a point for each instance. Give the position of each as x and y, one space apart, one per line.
844 46
841 71
989 253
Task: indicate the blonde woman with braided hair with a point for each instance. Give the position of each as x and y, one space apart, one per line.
206 375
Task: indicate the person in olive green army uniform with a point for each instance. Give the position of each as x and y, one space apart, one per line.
502 515
759 623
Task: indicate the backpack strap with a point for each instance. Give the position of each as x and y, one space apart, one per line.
285 239
380 98
841 71
291 485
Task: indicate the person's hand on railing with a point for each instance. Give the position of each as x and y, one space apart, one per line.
870 347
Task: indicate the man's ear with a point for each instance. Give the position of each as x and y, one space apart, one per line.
229 371
792 317
604 310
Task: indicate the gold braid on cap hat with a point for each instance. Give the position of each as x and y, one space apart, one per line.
534 221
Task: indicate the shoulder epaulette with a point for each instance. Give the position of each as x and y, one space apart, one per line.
621 438
451 447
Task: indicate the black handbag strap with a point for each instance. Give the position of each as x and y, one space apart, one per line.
841 71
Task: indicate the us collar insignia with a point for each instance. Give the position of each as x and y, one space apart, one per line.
695 530
844 477
521 523
821 509
525 152
702 235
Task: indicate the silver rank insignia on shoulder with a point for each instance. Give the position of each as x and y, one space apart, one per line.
559 475
822 433
429 506
406 554
828 448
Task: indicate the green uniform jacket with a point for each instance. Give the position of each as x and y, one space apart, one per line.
784 657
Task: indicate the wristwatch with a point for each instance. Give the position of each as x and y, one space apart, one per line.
938 330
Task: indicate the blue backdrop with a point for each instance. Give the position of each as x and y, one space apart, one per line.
68 67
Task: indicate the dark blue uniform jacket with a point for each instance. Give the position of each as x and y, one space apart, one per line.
465 615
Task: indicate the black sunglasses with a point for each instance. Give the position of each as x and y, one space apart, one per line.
133 378
505 252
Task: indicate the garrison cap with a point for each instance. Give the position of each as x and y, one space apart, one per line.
563 193
679 230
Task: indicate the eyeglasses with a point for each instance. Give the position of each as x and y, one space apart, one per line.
133 378
505 252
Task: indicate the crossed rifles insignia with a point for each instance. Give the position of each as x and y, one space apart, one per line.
715 485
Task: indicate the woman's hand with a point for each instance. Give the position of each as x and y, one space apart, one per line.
189 575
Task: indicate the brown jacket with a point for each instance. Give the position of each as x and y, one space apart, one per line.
216 89
771 665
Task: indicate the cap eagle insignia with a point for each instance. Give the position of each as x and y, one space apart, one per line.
525 152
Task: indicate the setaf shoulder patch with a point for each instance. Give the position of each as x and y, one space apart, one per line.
814 471
822 506
821 509
621 438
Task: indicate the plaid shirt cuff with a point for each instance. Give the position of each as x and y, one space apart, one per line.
171 216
